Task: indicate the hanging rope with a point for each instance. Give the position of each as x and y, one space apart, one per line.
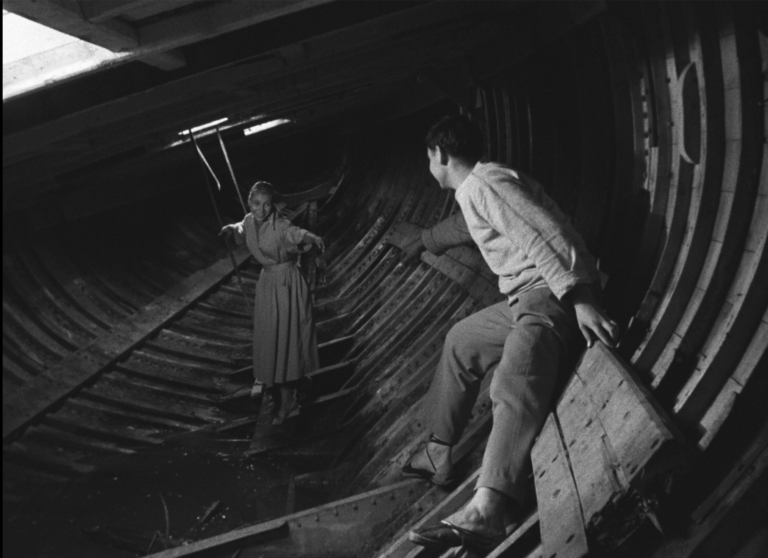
231 171
206 166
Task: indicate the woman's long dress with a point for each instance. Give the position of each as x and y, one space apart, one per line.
284 339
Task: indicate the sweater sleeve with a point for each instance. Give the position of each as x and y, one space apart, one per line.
446 234
239 231
554 246
291 235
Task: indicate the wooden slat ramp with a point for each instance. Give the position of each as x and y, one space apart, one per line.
594 465
597 457
25 403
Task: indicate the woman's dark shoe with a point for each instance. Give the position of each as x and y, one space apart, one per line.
448 535
270 403
443 476
288 404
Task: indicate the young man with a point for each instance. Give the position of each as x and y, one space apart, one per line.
547 276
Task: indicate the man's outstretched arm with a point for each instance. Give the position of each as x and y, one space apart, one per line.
448 233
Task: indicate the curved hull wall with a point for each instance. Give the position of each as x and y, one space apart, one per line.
648 129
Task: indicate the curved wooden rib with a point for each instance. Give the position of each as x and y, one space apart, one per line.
706 193
694 285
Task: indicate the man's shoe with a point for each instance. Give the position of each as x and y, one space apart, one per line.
444 476
448 535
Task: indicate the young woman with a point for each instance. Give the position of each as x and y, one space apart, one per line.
284 340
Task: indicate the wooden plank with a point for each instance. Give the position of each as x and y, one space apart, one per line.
680 178
24 404
704 52
560 517
739 189
507 549
66 16
402 546
749 364
212 20
344 526
607 437
101 10
637 426
736 322
129 137
596 472
171 94
425 315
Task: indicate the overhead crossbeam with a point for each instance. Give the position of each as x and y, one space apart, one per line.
117 26
67 17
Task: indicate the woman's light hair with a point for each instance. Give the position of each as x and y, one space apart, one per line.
264 188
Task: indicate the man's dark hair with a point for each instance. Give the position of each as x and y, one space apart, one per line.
458 136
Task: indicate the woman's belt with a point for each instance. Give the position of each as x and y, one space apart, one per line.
279 267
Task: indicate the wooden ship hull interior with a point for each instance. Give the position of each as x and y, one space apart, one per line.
128 423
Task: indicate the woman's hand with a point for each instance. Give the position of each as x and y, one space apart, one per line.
318 240
592 319
227 230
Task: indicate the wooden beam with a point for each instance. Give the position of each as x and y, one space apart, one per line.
156 39
97 11
55 65
25 403
67 17
450 504
153 41
273 96
560 515
344 526
507 548
267 64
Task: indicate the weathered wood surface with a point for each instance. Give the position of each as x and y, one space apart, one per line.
560 518
341 528
704 52
464 266
403 547
637 426
749 366
397 315
593 460
21 405
607 439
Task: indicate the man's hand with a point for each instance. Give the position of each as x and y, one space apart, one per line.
594 323
412 250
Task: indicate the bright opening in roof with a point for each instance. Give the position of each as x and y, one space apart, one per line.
34 55
265 126
203 127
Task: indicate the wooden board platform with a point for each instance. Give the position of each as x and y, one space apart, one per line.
597 456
